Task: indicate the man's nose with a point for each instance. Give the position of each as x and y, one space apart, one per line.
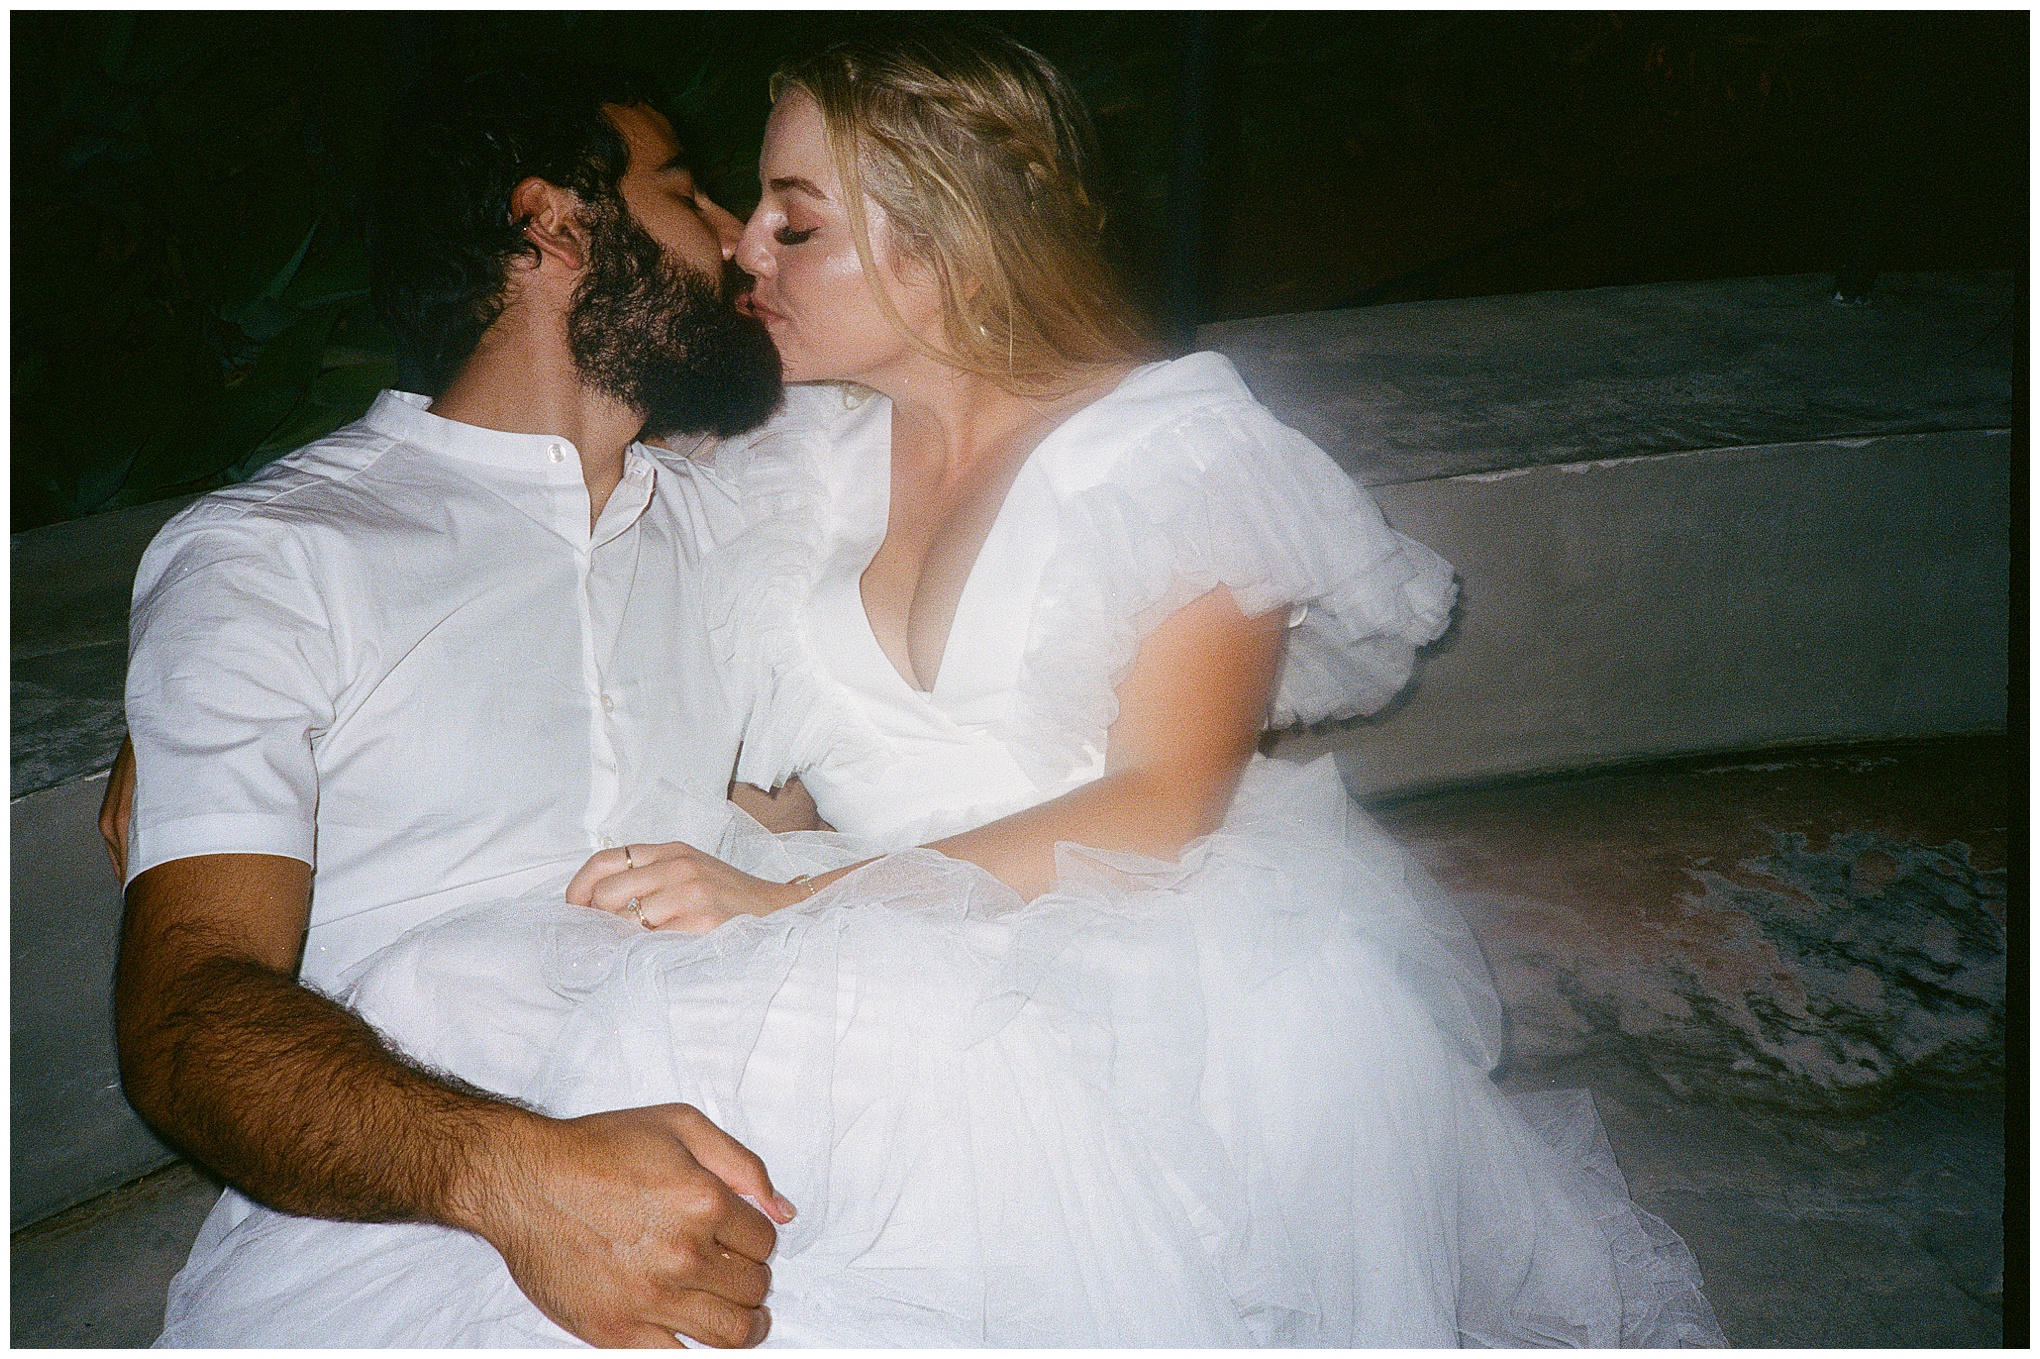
728 229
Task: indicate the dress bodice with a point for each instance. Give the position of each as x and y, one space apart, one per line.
951 766
1175 482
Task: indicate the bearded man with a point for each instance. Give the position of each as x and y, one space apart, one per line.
440 657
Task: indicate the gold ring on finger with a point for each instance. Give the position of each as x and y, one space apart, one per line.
637 912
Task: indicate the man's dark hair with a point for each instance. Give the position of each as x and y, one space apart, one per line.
440 234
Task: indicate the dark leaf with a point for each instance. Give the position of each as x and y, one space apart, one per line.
351 389
336 275
247 412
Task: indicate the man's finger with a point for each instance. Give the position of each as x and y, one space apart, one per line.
737 1278
746 1231
735 1165
715 1321
646 1335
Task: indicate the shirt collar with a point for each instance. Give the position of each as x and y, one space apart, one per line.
628 501
539 473
404 416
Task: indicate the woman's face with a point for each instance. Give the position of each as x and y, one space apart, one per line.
812 291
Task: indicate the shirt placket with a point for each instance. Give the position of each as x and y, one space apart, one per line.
567 506
623 541
605 783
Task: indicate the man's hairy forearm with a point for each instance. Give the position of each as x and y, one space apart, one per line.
624 1227
299 1103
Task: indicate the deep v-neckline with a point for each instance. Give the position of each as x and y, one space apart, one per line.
973 587
964 595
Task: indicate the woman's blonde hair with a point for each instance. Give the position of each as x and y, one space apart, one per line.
977 150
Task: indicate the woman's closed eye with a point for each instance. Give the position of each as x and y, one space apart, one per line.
788 236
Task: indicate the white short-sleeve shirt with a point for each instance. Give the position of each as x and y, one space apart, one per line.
401 655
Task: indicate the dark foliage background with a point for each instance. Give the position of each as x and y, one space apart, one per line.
189 287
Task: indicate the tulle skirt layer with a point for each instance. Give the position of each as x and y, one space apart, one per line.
1242 1100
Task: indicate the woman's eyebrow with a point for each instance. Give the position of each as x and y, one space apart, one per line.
795 182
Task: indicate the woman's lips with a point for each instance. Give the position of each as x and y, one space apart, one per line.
760 310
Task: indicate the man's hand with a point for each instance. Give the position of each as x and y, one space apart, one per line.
117 806
627 1227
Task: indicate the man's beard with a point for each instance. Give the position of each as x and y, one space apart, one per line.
665 340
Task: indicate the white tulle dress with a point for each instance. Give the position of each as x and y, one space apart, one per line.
1242 1099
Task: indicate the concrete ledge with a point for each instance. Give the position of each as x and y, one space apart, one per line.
1486 384
1843 590
96 1277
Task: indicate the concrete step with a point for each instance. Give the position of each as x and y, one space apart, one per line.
1782 974
94 1277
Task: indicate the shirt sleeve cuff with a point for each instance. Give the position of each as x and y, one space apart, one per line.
190 837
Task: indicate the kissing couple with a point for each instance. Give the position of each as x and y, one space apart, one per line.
620 852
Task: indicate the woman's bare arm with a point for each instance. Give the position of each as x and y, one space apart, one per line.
1191 709
1190 712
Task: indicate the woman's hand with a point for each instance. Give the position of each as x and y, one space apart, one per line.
676 887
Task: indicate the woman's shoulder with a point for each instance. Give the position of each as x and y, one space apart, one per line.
1180 481
1176 416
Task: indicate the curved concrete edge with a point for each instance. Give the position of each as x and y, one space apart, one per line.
70 587
1631 608
1424 390
74 1135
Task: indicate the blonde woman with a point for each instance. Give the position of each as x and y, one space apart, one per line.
1087 1025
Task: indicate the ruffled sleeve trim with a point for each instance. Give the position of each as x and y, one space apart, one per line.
756 592
1211 490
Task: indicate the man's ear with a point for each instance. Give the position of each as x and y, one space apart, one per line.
551 218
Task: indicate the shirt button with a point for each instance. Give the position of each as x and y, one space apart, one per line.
556 453
608 843
608 704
